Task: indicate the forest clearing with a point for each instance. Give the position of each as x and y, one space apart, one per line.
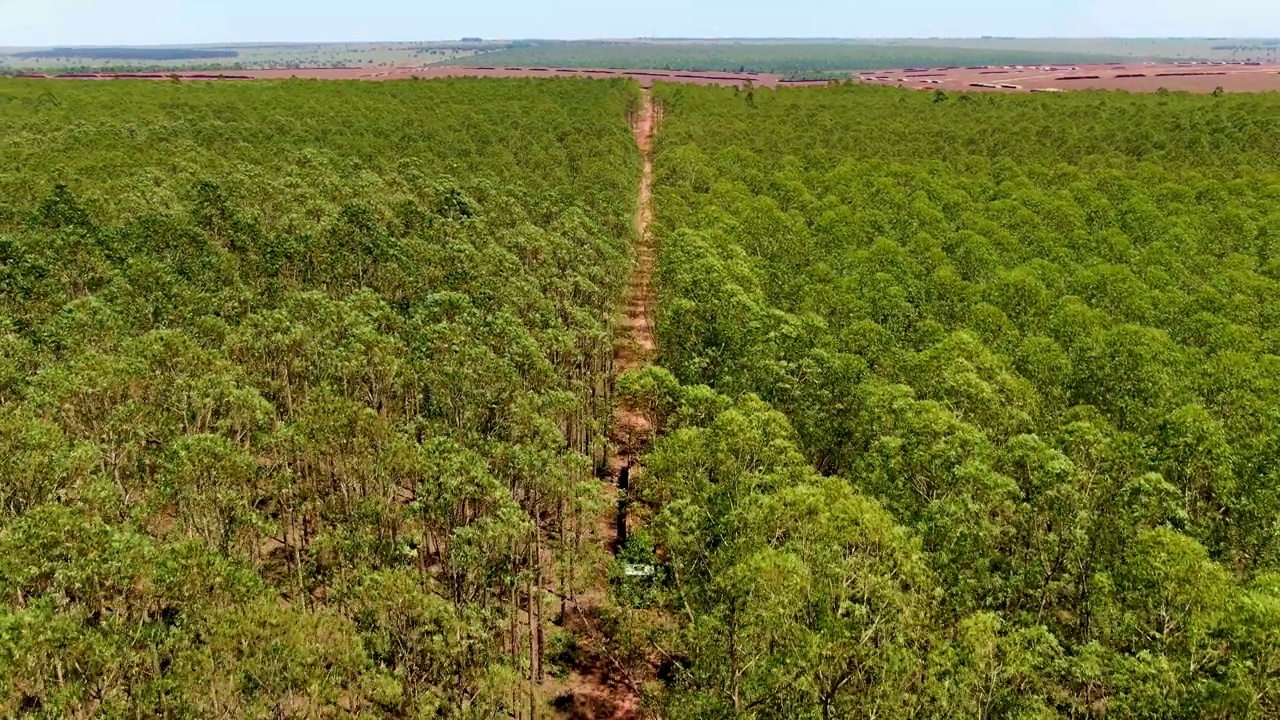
605 395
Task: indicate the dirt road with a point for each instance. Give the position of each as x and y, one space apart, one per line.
639 349
603 689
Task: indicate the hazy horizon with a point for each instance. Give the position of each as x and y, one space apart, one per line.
657 39
189 22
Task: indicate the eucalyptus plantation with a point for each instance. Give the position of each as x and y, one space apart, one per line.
963 406
302 386
973 410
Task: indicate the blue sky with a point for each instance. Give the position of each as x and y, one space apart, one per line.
49 22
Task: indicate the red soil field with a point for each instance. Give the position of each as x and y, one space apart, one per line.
645 77
1136 77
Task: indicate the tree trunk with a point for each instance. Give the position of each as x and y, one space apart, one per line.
535 600
624 482
533 659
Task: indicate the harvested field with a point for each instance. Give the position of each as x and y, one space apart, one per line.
1189 77
1133 77
646 77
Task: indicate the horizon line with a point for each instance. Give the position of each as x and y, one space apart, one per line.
650 38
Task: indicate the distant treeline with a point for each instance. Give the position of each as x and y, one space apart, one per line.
1252 45
796 59
475 44
123 53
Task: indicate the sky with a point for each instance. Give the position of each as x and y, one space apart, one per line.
138 22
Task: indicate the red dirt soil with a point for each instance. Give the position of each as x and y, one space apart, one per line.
646 78
1135 77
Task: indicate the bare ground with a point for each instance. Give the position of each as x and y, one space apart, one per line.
646 78
1131 76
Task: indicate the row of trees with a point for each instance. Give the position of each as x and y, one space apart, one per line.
292 422
971 405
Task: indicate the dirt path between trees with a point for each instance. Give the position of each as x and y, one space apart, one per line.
639 345
602 687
